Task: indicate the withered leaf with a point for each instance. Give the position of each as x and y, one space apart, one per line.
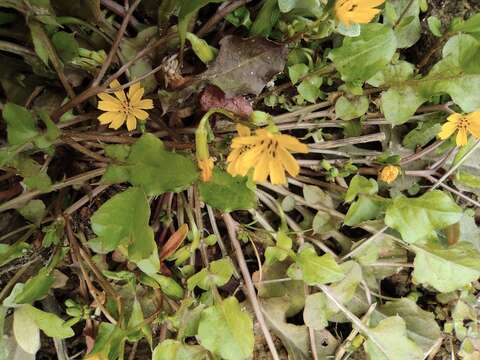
213 97
244 66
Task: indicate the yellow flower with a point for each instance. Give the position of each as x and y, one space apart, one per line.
235 154
468 123
267 153
206 168
121 107
389 173
356 11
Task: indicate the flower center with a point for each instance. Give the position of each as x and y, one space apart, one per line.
126 107
464 123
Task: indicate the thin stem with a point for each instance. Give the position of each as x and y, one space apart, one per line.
349 141
79 179
355 320
249 284
116 44
456 166
219 15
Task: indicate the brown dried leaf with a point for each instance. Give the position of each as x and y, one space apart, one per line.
244 66
174 242
213 97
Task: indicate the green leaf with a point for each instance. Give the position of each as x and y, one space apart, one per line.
218 273
348 109
136 319
296 72
109 342
472 25
421 325
200 47
364 209
308 8
12 252
26 331
418 219
170 349
122 223
359 58
398 104
319 310
227 193
323 223
40 41
187 11
49 323
66 45
309 89
360 185
313 195
168 286
400 71
21 125
435 25
314 269
226 330
157 170
36 287
457 75
446 269
391 334
266 19
33 211
407 31
422 134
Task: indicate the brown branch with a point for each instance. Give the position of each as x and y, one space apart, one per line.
115 45
219 15
348 141
120 11
79 179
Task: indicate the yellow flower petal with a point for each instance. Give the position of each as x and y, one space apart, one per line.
289 162
261 169
447 130
277 173
291 143
131 122
356 11
145 104
245 140
455 118
243 130
462 138
389 173
135 95
108 117
109 106
115 124
108 97
140 114
120 94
